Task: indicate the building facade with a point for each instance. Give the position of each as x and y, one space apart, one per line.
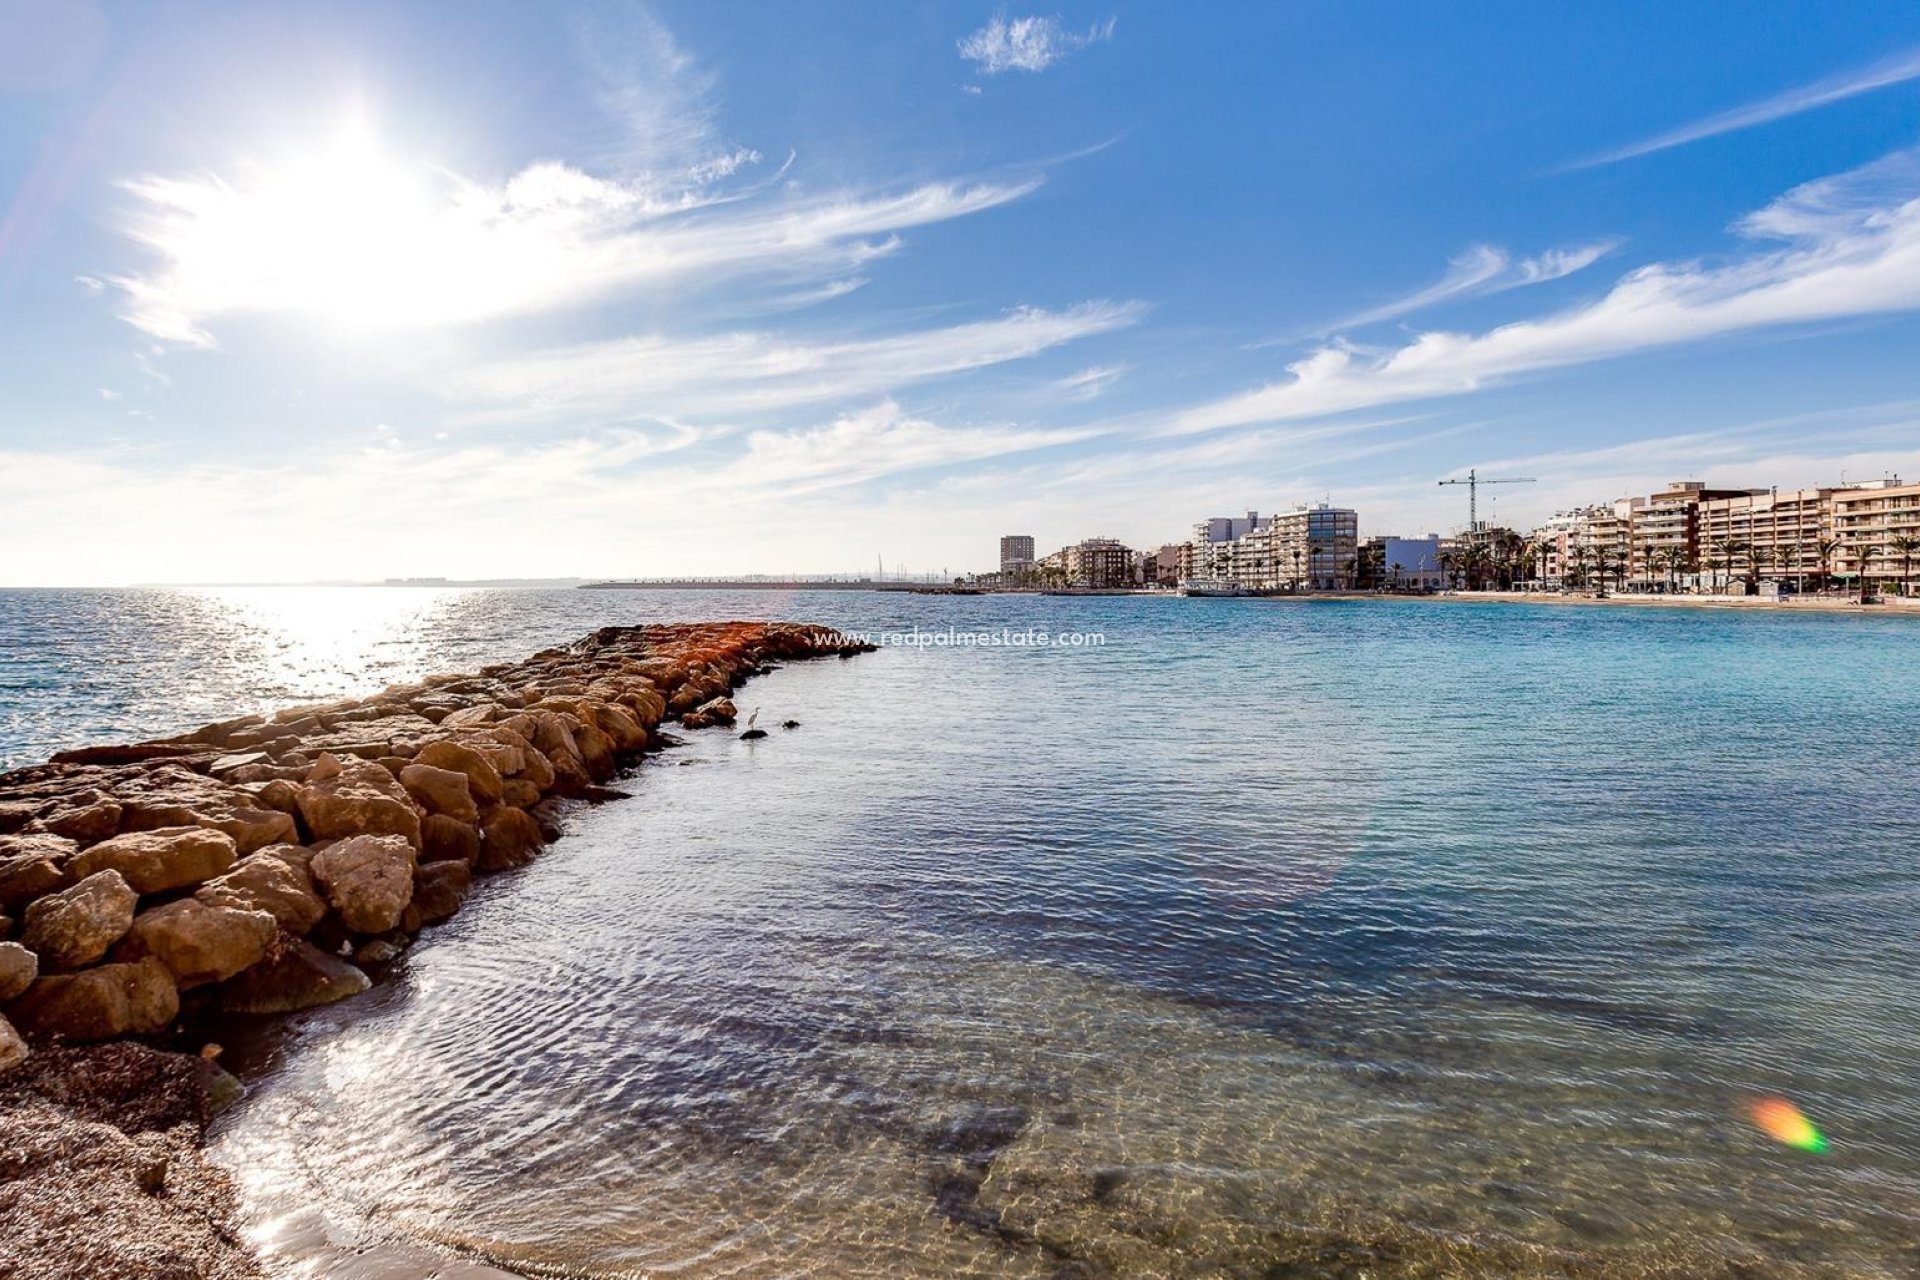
1099 562
1016 557
1877 527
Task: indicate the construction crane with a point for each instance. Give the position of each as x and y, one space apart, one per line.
1473 483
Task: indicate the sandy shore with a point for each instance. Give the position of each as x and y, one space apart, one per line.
1888 606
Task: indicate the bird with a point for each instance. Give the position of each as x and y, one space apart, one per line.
753 717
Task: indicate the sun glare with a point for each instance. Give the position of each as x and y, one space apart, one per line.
347 232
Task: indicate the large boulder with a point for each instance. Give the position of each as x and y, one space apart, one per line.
439 890
534 766
76 926
553 737
159 860
444 839
441 791
200 943
87 818
32 866
367 879
18 968
509 838
483 776
296 975
282 887
13 1049
134 999
357 797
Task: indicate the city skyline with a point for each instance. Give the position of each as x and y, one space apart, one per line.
370 292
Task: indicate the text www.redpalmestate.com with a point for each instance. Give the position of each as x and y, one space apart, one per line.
967 638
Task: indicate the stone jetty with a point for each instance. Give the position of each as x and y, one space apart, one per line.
263 864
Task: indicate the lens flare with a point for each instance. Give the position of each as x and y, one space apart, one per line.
1784 1123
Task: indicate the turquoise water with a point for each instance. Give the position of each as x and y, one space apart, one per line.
1265 938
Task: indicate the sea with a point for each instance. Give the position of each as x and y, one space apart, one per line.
1109 936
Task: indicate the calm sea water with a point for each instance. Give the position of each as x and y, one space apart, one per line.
1267 938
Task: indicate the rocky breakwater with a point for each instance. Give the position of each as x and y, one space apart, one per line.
261 865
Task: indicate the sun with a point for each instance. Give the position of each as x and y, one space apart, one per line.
338 229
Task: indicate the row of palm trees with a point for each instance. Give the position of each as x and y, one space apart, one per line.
1505 559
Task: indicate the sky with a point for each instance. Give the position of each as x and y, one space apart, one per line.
293 292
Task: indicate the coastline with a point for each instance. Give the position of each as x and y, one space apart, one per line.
1886 606
257 867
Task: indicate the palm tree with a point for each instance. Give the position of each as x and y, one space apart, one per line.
1582 557
1679 561
1867 553
1537 553
1758 557
1825 549
1904 545
1728 550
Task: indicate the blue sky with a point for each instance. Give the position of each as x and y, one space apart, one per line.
299 291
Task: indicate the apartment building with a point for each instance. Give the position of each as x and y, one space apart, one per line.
1099 562
1871 524
1666 544
1016 557
1313 549
1766 534
1214 540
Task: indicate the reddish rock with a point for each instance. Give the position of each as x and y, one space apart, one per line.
483 776
33 865
18 968
510 838
155 861
280 886
88 821
134 999
279 793
442 791
76 926
367 879
519 793
444 839
13 1048
200 943
439 890
357 797
296 975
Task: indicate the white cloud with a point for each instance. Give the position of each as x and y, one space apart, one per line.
611 502
739 373
1027 44
1482 270
108 393
1091 381
1853 250
1895 70
353 237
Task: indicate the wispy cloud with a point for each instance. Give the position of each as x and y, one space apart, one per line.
383 249
1087 383
1894 70
1853 249
804 498
1027 44
745 373
1481 270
